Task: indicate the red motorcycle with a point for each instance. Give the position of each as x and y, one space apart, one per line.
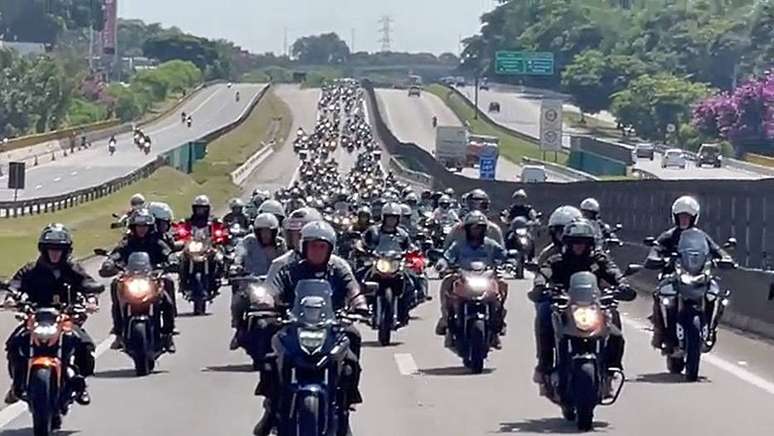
201 266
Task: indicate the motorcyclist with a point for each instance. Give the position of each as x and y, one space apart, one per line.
200 212
520 207
275 208
141 238
426 201
389 227
189 120
444 212
53 278
318 241
254 255
163 217
407 220
237 214
578 253
182 117
136 203
685 215
363 221
292 226
478 200
201 219
476 246
590 210
112 143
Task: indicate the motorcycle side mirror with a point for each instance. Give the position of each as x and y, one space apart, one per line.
116 216
531 266
730 243
100 252
116 225
726 264
435 255
619 226
371 288
632 268
539 215
649 241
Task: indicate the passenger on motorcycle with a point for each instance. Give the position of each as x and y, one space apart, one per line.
476 247
590 210
578 253
141 238
254 255
163 217
317 261
478 200
237 214
50 280
685 215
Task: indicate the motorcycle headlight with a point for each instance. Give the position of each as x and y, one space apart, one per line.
691 280
386 266
523 241
45 332
587 318
195 247
259 296
138 288
311 340
477 283
521 232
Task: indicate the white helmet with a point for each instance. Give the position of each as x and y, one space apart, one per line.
266 221
590 205
137 201
686 204
201 200
161 211
563 215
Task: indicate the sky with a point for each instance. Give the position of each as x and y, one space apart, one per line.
434 26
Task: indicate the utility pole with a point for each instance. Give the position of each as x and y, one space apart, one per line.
352 40
285 42
386 31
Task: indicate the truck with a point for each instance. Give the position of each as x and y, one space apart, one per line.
476 143
451 146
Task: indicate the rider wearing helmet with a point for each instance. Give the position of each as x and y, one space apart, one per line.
560 217
389 228
578 253
444 211
254 255
363 221
163 217
200 212
141 238
476 247
292 227
275 208
136 203
685 215
53 277
318 243
407 221
520 207
590 210
256 200
237 214
476 199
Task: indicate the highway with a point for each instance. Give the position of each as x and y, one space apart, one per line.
410 120
415 387
211 108
520 111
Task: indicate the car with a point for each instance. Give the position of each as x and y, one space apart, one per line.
709 154
414 90
461 82
483 85
533 174
673 157
644 150
494 107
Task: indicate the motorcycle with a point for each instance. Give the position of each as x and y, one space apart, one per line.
188 122
140 290
112 147
435 121
475 299
235 235
311 363
260 321
237 97
691 303
388 281
520 239
200 255
51 383
439 231
147 148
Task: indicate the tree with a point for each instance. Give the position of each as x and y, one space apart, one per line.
325 49
651 102
42 21
201 52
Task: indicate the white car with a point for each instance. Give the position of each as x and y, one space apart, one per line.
673 158
533 174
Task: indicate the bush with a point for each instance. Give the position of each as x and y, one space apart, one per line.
84 112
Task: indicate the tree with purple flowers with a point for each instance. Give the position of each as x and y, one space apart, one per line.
745 116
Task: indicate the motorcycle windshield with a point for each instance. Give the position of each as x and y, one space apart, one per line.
313 305
693 250
388 246
583 289
139 263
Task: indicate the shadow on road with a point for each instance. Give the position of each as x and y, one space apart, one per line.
230 368
28 431
191 315
452 371
545 426
665 378
124 373
376 344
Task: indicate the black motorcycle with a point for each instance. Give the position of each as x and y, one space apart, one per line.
691 303
260 321
388 281
520 239
311 361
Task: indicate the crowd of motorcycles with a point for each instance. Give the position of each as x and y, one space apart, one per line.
394 279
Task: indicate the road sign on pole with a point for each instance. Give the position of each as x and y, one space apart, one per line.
487 163
524 63
551 125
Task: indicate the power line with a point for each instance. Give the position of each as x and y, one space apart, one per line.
386 31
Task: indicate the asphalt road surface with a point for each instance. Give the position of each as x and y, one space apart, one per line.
415 387
211 108
521 112
410 120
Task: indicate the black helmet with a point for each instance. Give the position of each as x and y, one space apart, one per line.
427 194
55 236
141 218
579 231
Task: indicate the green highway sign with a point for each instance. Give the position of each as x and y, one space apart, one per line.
524 63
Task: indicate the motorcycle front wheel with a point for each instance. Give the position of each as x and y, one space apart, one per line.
42 397
585 395
477 346
386 317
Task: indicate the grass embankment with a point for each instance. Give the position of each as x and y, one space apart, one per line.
512 147
90 223
595 126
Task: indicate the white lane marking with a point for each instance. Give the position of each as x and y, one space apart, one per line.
406 364
38 186
12 412
724 365
74 173
742 363
57 179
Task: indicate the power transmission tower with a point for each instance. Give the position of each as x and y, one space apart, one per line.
386 30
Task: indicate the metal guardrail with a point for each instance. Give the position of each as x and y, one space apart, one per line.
34 206
560 169
401 171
